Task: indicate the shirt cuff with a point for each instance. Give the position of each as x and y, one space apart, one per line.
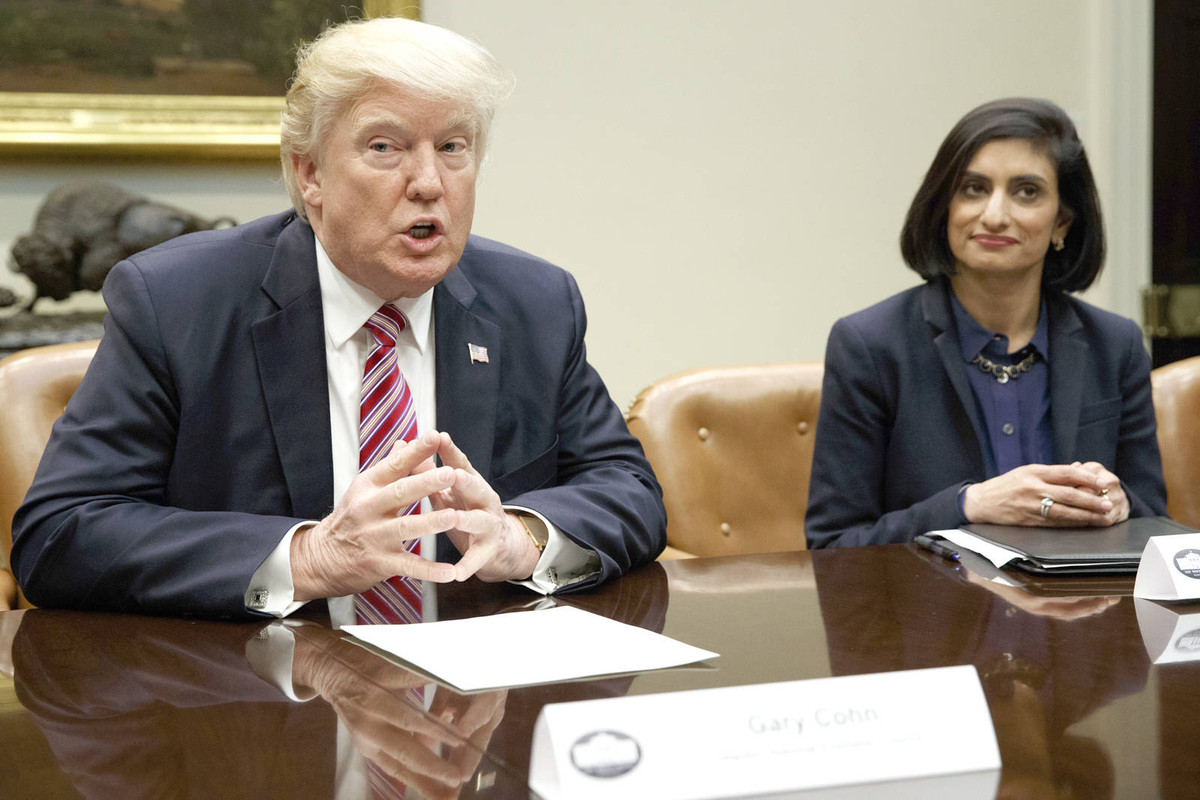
962 503
271 589
562 563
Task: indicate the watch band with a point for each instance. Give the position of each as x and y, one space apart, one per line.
538 541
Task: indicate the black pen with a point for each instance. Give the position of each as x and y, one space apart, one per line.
937 545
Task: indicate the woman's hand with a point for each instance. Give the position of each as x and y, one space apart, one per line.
1083 494
1107 485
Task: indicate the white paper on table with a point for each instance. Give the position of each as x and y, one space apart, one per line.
516 649
999 556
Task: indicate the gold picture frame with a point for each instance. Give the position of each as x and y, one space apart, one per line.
60 124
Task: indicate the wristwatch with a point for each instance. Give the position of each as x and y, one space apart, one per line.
536 530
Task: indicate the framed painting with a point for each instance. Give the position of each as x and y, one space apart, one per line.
156 78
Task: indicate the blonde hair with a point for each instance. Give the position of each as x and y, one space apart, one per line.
344 63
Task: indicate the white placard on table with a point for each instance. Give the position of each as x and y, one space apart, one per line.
1170 568
742 741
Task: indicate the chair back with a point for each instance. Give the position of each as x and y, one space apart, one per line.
35 386
732 448
1177 409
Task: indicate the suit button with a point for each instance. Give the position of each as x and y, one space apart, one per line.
1008 429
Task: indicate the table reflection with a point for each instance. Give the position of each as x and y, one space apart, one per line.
1045 662
126 706
382 708
134 707
150 707
143 707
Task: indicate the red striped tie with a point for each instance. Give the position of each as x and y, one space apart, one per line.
386 414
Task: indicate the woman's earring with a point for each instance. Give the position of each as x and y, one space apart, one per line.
1059 244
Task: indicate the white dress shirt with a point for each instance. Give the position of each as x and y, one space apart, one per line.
347 306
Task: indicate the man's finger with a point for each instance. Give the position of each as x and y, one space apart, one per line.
480 522
396 497
479 712
378 715
415 488
402 757
480 553
394 534
411 565
451 456
473 491
403 458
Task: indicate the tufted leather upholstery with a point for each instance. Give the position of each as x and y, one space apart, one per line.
732 448
35 386
1177 410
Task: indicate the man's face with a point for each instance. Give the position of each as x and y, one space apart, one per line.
391 191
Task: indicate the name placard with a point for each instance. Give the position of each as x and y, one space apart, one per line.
1170 568
743 741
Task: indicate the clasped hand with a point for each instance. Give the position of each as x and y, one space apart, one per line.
1083 494
365 538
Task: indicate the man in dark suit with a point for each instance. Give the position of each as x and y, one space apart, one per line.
196 468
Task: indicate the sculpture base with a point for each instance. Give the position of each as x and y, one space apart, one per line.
26 330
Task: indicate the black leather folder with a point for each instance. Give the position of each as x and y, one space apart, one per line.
1078 551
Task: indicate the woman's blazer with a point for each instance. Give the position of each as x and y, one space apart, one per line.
899 432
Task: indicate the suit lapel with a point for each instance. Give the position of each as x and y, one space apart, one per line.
467 389
935 305
290 349
1066 358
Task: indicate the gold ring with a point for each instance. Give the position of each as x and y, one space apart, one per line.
1103 492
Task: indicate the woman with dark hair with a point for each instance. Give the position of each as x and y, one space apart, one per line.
988 394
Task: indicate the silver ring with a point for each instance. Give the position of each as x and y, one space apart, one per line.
1046 504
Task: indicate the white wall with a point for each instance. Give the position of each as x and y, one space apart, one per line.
726 179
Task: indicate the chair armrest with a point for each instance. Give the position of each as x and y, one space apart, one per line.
671 554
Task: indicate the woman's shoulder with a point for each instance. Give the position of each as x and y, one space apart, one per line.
887 318
1096 321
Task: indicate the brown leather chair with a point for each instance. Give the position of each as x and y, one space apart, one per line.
1177 409
732 448
35 386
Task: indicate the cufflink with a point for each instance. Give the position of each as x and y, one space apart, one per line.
258 599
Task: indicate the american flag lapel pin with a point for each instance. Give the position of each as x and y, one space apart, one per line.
478 353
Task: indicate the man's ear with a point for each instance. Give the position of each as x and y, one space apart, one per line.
308 179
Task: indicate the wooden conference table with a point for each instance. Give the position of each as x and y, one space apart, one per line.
110 706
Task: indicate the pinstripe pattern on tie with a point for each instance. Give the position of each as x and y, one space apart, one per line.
384 786
387 414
